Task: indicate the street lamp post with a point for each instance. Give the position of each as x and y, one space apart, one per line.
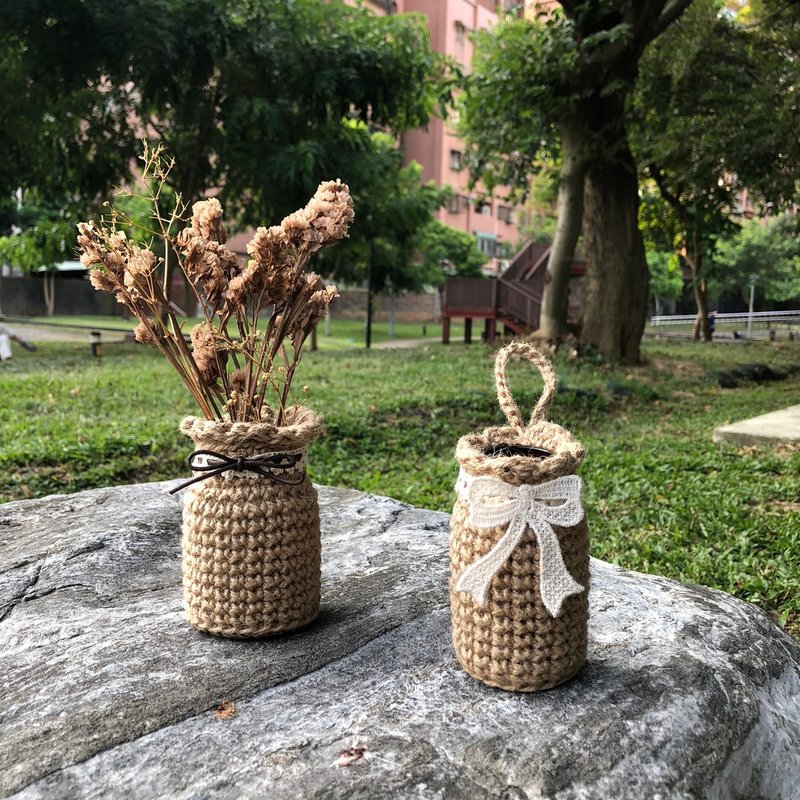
371 258
753 277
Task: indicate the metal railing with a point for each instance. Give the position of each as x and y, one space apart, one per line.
738 325
760 317
470 294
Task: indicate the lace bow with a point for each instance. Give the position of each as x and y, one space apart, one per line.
493 503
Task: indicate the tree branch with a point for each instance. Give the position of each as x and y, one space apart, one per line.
778 11
672 10
672 199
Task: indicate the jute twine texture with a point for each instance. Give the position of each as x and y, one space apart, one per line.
251 545
513 642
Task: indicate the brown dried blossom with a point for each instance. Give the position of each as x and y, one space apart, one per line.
323 221
316 299
207 221
102 280
138 268
239 379
142 333
207 263
266 275
205 352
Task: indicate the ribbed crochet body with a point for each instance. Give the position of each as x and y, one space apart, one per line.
251 544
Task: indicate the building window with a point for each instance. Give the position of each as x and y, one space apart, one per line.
487 244
454 203
484 209
460 31
456 160
505 214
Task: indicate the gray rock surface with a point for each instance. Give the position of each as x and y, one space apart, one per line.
106 692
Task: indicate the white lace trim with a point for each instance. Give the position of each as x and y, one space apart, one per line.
494 503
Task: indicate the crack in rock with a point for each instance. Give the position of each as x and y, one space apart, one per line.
20 595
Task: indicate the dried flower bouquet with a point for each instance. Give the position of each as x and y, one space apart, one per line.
271 304
251 524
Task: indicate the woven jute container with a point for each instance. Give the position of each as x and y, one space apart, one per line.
251 536
518 522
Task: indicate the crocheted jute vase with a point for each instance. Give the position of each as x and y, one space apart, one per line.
251 537
519 546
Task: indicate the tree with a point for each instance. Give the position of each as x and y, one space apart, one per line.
563 81
768 249
392 207
445 250
39 237
702 141
661 234
665 278
255 98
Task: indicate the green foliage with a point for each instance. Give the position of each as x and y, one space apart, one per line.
662 237
769 249
666 278
714 113
63 134
37 236
257 98
670 501
524 77
541 203
445 250
392 207
660 228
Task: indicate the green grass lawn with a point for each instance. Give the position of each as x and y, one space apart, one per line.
661 497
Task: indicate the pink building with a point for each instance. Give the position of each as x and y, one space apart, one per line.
439 151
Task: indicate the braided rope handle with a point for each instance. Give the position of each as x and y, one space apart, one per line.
504 398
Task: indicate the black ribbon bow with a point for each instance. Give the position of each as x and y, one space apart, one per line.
268 466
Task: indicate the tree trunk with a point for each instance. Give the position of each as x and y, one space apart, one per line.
555 294
392 298
701 329
49 288
615 299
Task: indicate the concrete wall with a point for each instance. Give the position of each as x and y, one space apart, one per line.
409 307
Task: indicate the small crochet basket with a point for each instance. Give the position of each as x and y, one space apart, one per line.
251 534
519 546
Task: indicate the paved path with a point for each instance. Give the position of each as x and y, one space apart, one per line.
777 427
390 344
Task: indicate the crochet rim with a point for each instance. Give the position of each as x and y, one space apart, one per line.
566 453
303 426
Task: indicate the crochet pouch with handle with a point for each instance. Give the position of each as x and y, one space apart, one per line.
519 545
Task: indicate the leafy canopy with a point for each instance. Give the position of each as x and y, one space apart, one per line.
260 99
446 250
768 249
714 113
